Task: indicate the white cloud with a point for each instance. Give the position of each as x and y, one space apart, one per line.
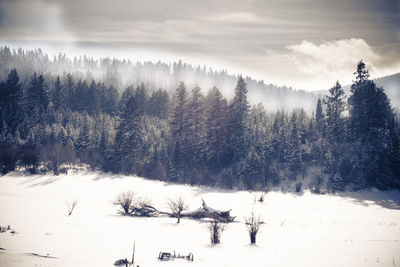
323 64
335 56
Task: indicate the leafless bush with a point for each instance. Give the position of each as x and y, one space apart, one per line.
177 206
5 229
8 228
216 228
253 224
261 197
124 202
71 206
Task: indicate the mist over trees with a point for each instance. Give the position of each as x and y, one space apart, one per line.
123 73
188 136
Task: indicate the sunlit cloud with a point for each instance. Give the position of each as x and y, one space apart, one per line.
332 56
336 60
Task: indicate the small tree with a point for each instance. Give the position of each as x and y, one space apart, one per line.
216 228
125 202
177 206
71 206
253 224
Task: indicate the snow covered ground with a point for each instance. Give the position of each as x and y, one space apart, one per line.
354 229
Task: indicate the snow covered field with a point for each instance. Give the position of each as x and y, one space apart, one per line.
354 229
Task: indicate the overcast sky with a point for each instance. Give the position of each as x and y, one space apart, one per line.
306 44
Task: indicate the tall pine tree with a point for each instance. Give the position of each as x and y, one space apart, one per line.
216 136
239 115
370 120
336 163
179 136
129 137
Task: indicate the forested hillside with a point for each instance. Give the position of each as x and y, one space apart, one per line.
192 135
123 73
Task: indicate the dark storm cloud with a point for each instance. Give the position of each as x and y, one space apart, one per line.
253 34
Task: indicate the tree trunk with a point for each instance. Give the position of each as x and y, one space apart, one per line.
252 238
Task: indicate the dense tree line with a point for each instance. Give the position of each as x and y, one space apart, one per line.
48 121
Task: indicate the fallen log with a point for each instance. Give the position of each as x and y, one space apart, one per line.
207 212
144 209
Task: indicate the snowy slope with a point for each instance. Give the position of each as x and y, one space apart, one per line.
300 230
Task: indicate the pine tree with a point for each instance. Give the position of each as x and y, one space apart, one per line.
109 99
129 137
319 118
93 98
295 151
159 104
80 97
179 135
216 136
10 103
85 138
68 92
36 102
395 153
195 126
239 112
126 95
178 121
278 135
57 96
335 105
335 135
142 98
370 117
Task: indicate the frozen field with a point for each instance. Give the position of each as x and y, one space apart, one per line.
357 229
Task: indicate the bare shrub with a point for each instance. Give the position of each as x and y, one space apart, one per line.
71 206
125 202
253 224
261 197
216 228
177 206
